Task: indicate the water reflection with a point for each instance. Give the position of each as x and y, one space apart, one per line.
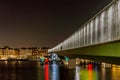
46 72
77 70
54 72
34 71
103 72
87 73
115 72
93 72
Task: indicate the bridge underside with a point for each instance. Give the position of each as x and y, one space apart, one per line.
106 52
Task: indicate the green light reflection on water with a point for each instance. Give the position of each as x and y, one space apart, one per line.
88 74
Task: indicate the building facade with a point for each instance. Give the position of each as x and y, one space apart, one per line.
22 53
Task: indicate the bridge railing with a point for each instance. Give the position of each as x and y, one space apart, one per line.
103 27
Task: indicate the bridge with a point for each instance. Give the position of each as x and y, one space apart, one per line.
97 39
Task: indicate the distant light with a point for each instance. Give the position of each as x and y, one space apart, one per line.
54 56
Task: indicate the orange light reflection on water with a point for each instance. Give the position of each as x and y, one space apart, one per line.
90 72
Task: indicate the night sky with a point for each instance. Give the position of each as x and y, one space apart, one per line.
37 23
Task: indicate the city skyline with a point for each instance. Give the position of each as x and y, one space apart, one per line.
43 23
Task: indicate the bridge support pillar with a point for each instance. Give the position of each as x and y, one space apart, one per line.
106 65
71 64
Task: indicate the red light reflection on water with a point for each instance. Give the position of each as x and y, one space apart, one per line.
46 72
90 72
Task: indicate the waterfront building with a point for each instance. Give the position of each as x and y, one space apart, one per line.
22 53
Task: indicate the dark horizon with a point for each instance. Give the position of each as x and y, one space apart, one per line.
36 23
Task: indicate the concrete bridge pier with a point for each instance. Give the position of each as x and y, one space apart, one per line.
106 65
71 64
